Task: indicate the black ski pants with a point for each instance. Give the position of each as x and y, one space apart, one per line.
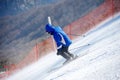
65 53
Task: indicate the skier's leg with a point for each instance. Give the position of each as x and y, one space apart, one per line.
66 56
70 54
67 52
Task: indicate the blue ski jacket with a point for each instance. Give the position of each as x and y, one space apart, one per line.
59 36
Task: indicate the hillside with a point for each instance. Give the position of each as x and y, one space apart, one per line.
13 7
21 30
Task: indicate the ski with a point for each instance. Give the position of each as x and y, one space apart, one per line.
68 61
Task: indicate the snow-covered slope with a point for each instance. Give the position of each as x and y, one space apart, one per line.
98 61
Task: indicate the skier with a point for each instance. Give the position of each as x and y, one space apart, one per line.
62 41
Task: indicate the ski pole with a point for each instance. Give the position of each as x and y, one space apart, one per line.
50 22
80 47
74 34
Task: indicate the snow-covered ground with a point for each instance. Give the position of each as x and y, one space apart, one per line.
98 61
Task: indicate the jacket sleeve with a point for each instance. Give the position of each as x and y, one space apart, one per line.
58 40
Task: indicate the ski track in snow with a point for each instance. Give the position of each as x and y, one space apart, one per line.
98 61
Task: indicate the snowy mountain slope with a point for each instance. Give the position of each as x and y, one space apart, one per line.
98 61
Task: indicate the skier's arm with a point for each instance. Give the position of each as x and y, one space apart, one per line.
58 41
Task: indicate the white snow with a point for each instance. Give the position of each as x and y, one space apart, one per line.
98 61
